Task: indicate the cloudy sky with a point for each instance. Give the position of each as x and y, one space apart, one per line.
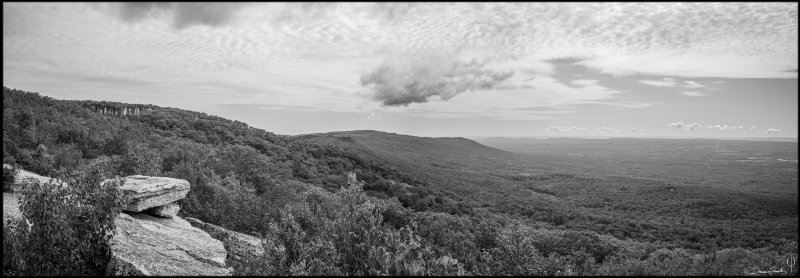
427 69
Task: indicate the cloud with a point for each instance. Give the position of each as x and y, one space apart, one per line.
627 104
694 94
616 130
724 127
693 65
689 127
584 82
666 82
676 124
565 128
184 14
693 126
752 128
672 83
549 91
529 66
402 82
596 129
772 130
692 84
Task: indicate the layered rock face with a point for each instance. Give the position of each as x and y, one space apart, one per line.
149 245
241 247
167 211
151 239
147 192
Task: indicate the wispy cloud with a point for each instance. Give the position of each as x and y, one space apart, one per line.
666 82
693 94
693 65
672 83
595 129
616 130
692 84
724 127
688 127
565 128
676 124
693 126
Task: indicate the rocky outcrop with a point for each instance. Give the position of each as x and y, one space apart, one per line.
25 179
145 244
241 247
11 206
149 245
167 211
147 192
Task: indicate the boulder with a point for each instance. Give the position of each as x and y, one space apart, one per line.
25 179
149 245
167 211
147 192
11 206
241 247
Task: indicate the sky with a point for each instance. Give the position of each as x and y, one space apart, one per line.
425 69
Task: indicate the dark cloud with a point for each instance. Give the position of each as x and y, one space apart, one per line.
185 14
392 11
398 83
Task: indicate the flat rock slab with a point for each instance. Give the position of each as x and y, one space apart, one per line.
149 245
241 247
11 206
147 192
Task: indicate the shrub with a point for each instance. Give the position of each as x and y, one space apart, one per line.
140 159
63 230
344 234
515 254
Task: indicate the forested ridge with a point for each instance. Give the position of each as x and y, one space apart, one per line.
294 191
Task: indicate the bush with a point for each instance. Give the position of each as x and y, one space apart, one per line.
344 234
515 254
63 230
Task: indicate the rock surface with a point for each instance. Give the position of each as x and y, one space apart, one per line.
24 179
147 192
11 206
167 211
241 247
149 245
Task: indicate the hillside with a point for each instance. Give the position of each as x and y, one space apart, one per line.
606 185
454 197
43 134
457 165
